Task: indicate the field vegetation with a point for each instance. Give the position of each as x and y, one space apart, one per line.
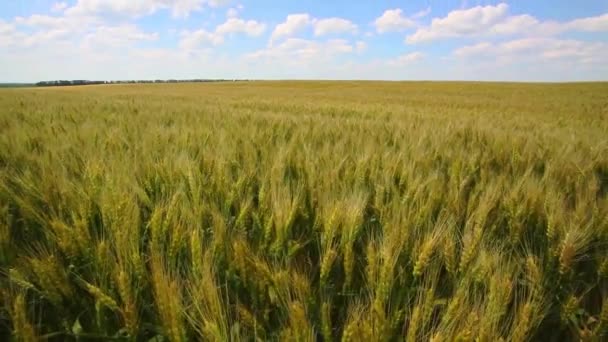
302 211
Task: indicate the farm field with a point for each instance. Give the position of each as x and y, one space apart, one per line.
303 211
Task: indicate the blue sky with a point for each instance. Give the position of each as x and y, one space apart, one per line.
396 40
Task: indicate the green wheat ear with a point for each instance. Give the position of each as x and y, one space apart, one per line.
23 329
353 211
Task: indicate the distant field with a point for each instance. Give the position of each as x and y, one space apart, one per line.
302 211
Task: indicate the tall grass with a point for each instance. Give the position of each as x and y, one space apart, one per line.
305 211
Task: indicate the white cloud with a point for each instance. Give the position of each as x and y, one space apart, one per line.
53 36
9 36
591 24
459 23
406 59
137 8
40 20
514 24
393 20
55 32
49 30
6 28
45 22
59 6
299 60
292 24
192 40
296 23
574 50
475 49
232 13
422 14
183 8
91 31
296 50
360 46
216 3
99 39
123 7
538 50
117 36
327 26
251 28
495 20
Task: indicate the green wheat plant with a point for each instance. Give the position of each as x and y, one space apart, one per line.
304 211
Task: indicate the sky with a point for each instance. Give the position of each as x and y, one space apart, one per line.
544 40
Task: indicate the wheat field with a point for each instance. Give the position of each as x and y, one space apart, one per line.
305 211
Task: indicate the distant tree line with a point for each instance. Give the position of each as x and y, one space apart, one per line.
61 83
67 83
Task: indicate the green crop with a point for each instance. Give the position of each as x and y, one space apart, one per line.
341 211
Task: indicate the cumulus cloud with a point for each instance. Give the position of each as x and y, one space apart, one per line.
94 32
406 59
138 8
191 40
6 27
59 6
251 28
360 46
538 49
514 24
8 34
423 13
47 30
458 23
232 13
55 32
297 23
590 24
91 31
292 24
55 36
45 22
393 20
302 50
328 26
116 36
473 50
488 20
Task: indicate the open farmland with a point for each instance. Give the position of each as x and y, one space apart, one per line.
305 211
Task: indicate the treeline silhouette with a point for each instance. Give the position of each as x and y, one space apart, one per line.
62 83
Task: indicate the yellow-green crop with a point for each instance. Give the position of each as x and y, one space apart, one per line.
305 211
